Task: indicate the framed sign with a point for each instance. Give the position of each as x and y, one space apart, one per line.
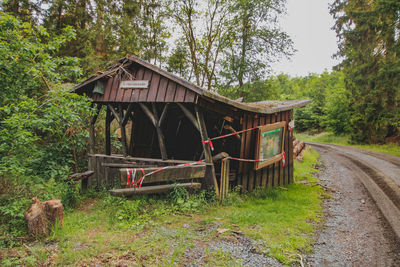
270 144
137 84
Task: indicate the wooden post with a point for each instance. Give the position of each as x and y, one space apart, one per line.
224 184
211 180
160 135
190 116
131 141
109 119
123 130
92 135
153 116
122 119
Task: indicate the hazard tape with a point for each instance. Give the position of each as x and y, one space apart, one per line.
259 160
139 182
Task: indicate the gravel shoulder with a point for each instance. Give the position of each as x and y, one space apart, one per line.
355 232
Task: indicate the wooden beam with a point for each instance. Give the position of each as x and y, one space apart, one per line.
116 116
160 135
92 135
127 114
210 178
81 176
230 128
108 130
155 189
129 165
163 114
132 139
149 114
220 156
123 130
173 173
190 116
96 115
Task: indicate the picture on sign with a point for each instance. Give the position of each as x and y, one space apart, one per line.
270 144
137 84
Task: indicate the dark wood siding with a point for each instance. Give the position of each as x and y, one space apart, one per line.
161 89
270 176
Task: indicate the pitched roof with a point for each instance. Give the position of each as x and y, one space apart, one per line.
265 107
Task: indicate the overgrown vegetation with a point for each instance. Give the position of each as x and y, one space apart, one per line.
42 126
162 230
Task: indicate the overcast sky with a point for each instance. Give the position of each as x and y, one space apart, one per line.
309 24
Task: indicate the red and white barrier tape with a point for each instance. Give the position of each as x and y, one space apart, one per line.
132 183
209 140
260 160
140 181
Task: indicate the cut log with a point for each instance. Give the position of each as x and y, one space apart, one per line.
155 189
36 219
54 211
41 216
298 148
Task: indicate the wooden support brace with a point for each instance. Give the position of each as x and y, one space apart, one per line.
190 116
123 131
116 116
163 114
109 118
127 114
149 114
210 178
153 116
160 135
92 135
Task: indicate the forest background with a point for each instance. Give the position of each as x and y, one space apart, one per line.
221 45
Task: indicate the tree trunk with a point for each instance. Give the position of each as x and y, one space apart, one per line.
41 216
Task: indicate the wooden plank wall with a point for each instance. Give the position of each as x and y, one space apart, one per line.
107 177
270 176
160 88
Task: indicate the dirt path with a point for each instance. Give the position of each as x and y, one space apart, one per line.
363 213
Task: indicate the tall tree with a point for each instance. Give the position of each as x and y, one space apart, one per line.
370 45
109 29
255 40
24 10
204 26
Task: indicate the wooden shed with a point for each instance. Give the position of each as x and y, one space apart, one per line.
171 122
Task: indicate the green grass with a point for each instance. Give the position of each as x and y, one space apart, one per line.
148 231
284 220
330 138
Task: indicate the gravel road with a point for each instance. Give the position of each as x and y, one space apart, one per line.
363 215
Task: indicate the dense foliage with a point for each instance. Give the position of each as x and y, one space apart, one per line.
224 45
370 45
42 126
330 105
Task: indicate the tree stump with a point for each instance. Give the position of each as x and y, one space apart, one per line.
41 216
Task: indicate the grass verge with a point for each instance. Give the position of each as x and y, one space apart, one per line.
331 138
181 228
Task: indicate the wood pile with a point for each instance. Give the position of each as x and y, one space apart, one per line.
41 216
298 148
